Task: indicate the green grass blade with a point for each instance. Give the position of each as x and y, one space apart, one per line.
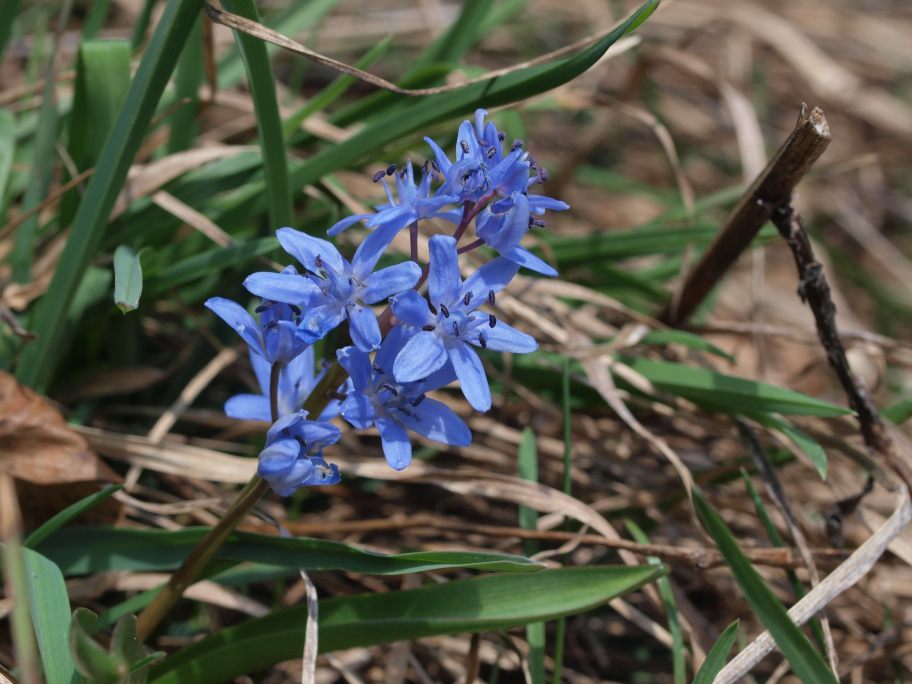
560 632
68 514
187 80
7 152
486 603
141 26
528 520
679 665
896 413
727 393
802 440
9 10
806 662
98 12
35 367
20 621
85 550
717 656
50 609
269 124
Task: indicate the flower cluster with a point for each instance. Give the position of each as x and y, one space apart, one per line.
435 324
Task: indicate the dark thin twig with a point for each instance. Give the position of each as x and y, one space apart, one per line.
772 188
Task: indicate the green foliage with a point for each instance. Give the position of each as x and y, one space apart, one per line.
126 661
717 656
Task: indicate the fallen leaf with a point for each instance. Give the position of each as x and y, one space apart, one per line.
37 445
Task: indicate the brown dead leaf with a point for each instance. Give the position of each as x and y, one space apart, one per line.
38 446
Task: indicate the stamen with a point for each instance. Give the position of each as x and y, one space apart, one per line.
446 312
392 389
318 261
490 153
517 145
431 307
542 175
492 320
482 340
391 169
429 327
467 298
455 329
419 399
378 370
295 309
501 136
379 175
492 300
465 147
261 308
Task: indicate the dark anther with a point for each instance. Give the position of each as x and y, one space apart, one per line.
446 311
318 261
434 165
501 136
392 389
542 175
517 145
429 327
419 399
465 147
379 175
482 340
492 320
533 164
295 309
431 307
272 325
467 298
539 223
531 221
492 300
455 329
490 153
378 370
391 169
261 308
402 173
424 167
405 411
301 441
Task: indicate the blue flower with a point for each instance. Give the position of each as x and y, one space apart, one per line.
503 225
296 381
449 324
293 456
414 202
276 338
377 398
334 289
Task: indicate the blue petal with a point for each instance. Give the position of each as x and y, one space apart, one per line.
435 420
503 337
492 277
358 366
317 322
466 135
390 281
539 203
396 445
347 222
363 327
443 279
372 248
421 356
472 378
443 162
261 368
283 287
278 459
248 407
392 344
412 308
306 249
523 257
358 410
237 317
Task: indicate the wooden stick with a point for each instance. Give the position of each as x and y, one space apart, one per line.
771 189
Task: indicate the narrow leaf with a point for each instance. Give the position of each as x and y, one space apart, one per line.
68 514
128 279
717 656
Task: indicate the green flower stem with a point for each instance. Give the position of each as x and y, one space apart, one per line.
150 618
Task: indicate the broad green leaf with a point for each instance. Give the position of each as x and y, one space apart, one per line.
491 602
806 662
67 514
727 393
128 279
36 364
49 606
86 550
261 83
717 656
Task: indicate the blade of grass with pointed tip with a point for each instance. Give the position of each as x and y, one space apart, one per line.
35 367
806 662
7 151
802 440
261 82
717 656
491 602
187 80
68 514
92 549
727 393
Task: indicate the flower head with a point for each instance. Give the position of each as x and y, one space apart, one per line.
378 399
293 456
296 381
450 325
412 202
333 288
